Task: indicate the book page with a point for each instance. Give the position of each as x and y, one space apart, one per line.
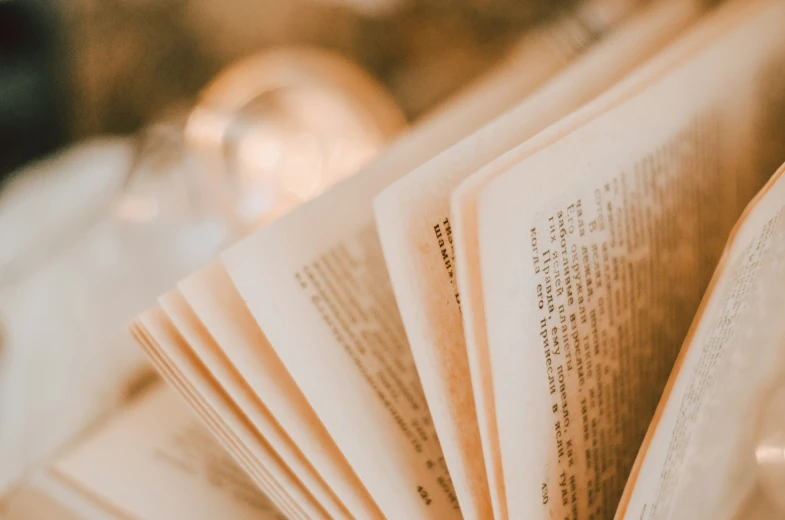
214 299
330 315
414 225
317 277
735 337
155 461
35 498
595 253
463 202
757 507
203 346
171 357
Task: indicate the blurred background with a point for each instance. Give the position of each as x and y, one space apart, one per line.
118 119
70 70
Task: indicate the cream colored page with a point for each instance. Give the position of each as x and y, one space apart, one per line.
758 507
325 304
155 461
721 479
213 298
170 357
463 200
413 220
463 203
594 255
203 346
229 422
721 331
231 434
394 449
43 496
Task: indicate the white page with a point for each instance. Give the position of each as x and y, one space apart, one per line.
696 129
412 216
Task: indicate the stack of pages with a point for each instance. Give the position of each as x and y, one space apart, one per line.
530 305
154 460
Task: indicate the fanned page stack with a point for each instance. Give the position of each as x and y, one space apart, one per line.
535 324
174 470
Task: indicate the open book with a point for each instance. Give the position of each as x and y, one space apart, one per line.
532 326
153 460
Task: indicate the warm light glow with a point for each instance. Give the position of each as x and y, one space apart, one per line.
291 144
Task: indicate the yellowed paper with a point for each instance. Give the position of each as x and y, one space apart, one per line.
42 496
317 277
213 298
414 225
332 319
169 354
719 331
247 458
595 253
426 490
203 346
